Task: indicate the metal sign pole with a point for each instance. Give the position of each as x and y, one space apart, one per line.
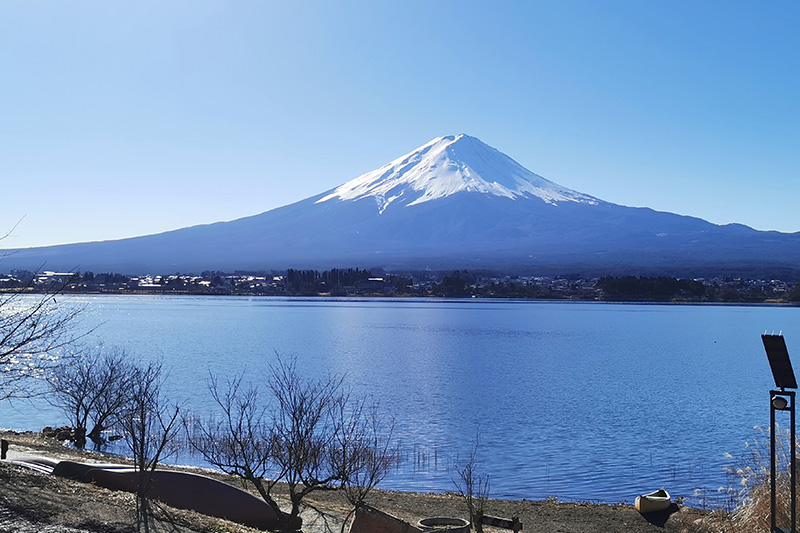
772 469
782 400
792 472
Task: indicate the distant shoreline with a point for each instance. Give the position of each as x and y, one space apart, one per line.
360 283
421 298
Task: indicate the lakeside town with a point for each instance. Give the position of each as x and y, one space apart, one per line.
355 282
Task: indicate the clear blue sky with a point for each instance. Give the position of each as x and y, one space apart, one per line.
132 117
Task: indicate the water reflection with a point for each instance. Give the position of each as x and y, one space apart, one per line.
581 401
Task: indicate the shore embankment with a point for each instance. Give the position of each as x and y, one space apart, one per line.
31 501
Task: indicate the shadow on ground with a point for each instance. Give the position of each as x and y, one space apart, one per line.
659 518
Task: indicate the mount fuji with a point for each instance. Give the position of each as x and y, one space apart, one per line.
455 202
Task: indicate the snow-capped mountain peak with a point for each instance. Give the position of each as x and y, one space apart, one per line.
450 165
492 214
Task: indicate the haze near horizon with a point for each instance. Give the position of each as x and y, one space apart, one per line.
135 118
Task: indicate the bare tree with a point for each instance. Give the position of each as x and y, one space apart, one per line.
241 443
34 329
304 430
149 425
111 396
472 486
312 435
91 387
363 451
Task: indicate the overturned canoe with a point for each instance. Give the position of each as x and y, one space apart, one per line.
653 502
43 465
183 490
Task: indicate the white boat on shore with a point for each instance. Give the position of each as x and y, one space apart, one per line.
653 502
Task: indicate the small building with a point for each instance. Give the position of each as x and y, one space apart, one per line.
371 284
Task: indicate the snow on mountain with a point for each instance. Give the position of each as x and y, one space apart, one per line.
453 203
449 165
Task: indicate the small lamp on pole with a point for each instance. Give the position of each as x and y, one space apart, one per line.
781 400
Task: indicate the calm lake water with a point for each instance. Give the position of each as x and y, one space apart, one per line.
583 401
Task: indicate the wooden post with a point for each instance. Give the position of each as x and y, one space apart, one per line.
3 448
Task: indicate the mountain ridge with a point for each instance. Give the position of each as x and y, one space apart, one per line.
454 202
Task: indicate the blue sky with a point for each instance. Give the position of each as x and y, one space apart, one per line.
127 118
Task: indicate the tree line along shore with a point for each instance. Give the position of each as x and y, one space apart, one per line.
377 282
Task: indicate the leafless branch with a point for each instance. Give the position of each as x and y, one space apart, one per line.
240 443
313 435
35 336
91 386
473 486
150 426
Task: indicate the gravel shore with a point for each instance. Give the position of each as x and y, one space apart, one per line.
33 502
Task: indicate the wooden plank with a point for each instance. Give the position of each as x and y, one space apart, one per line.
504 523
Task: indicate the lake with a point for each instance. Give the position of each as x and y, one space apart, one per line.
582 401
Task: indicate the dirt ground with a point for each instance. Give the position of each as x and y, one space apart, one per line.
33 502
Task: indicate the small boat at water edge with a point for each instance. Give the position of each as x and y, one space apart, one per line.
653 502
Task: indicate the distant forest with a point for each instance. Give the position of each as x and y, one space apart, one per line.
376 282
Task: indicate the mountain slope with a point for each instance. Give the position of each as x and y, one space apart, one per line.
452 203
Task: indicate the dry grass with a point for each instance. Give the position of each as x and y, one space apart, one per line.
751 471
